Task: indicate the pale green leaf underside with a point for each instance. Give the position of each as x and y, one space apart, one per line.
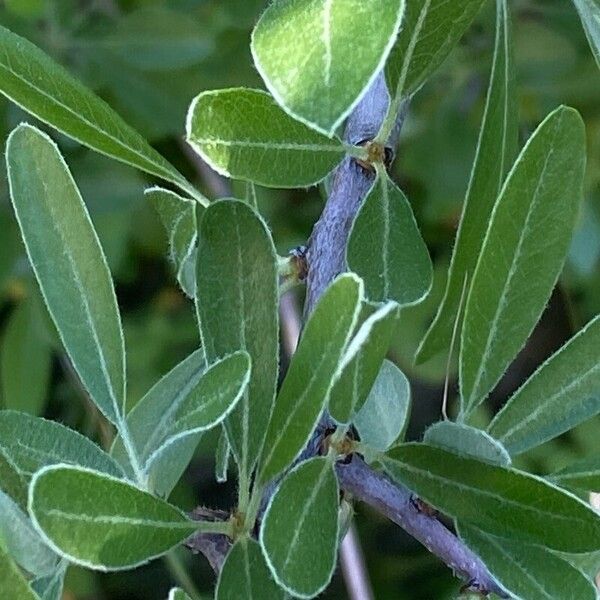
589 11
244 134
528 572
237 304
69 264
317 57
498 500
581 475
496 151
430 30
308 382
100 522
222 456
523 252
51 587
467 441
384 416
35 82
562 393
300 529
361 363
14 585
245 572
386 248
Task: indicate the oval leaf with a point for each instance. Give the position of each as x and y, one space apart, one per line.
42 87
237 272
243 134
498 500
300 529
311 373
386 249
528 572
496 151
100 522
245 572
69 264
523 252
301 51
562 393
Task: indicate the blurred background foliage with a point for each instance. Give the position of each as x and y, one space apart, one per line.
148 59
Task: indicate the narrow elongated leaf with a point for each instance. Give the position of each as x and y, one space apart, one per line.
300 529
40 86
498 500
386 249
31 443
25 360
301 51
467 441
245 572
361 363
51 587
222 456
14 584
581 475
100 522
237 303
496 151
430 30
589 11
309 379
178 216
23 542
523 252
562 393
384 417
243 134
68 262
528 572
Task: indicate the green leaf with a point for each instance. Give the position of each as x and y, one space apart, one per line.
237 303
384 417
31 443
243 134
12 481
157 39
40 86
222 456
25 360
101 522
178 594
466 441
361 363
430 30
528 572
178 216
496 151
562 393
386 249
23 542
71 269
245 572
589 11
311 373
523 252
498 500
51 587
307 54
299 534
581 475
14 583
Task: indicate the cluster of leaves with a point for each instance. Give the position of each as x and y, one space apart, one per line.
66 501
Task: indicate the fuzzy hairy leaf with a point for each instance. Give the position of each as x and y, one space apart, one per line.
14 584
589 11
523 252
100 522
386 248
299 534
562 393
244 134
69 264
301 49
496 151
51 587
311 373
500 501
581 475
237 304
